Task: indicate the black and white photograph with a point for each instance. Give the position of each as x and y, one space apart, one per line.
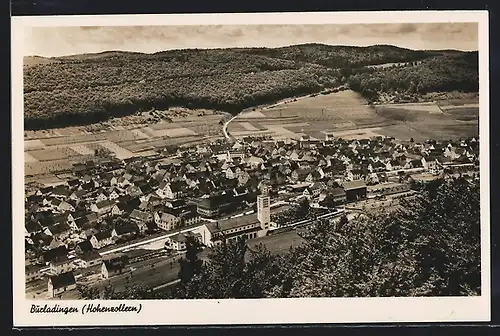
219 161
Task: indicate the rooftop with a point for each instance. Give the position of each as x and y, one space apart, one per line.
62 280
354 185
232 223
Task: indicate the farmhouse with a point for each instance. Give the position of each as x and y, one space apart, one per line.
61 283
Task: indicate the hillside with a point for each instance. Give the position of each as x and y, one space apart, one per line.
89 88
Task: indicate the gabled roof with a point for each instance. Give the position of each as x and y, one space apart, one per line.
54 253
90 255
105 204
178 186
337 192
32 226
62 280
91 217
126 228
140 215
179 237
60 260
116 262
101 235
85 246
59 228
232 223
350 185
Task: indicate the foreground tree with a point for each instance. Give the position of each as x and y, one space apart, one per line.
429 247
190 264
234 271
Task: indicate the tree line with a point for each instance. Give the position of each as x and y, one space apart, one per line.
92 88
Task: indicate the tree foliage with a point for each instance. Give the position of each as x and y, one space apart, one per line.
191 264
91 88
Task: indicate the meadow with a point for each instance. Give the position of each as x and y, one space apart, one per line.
347 114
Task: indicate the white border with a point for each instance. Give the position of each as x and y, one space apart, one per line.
262 311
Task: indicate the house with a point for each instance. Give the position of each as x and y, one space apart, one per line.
355 190
91 258
92 218
133 190
189 217
83 247
113 265
32 272
61 205
101 196
125 231
61 265
52 254
32 227
101 239
61 283
59 231
139 216
177 242
125 206
300 174
175 204
61 192
102 208
215 205
254 161
166 221
172 190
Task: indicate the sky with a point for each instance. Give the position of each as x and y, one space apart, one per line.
59 41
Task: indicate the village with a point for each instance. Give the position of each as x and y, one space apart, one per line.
127 221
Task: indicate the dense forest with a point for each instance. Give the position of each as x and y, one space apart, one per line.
430 247
90 88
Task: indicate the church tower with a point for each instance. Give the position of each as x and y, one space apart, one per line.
264 210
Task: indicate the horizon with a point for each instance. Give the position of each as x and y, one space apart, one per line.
71 40
250 47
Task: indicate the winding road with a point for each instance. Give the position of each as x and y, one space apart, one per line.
226 124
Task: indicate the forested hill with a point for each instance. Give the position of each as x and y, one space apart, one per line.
344 56
89 88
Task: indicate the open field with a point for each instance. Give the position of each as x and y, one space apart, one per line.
346 114
49 151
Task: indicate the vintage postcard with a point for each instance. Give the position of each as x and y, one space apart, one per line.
276 168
